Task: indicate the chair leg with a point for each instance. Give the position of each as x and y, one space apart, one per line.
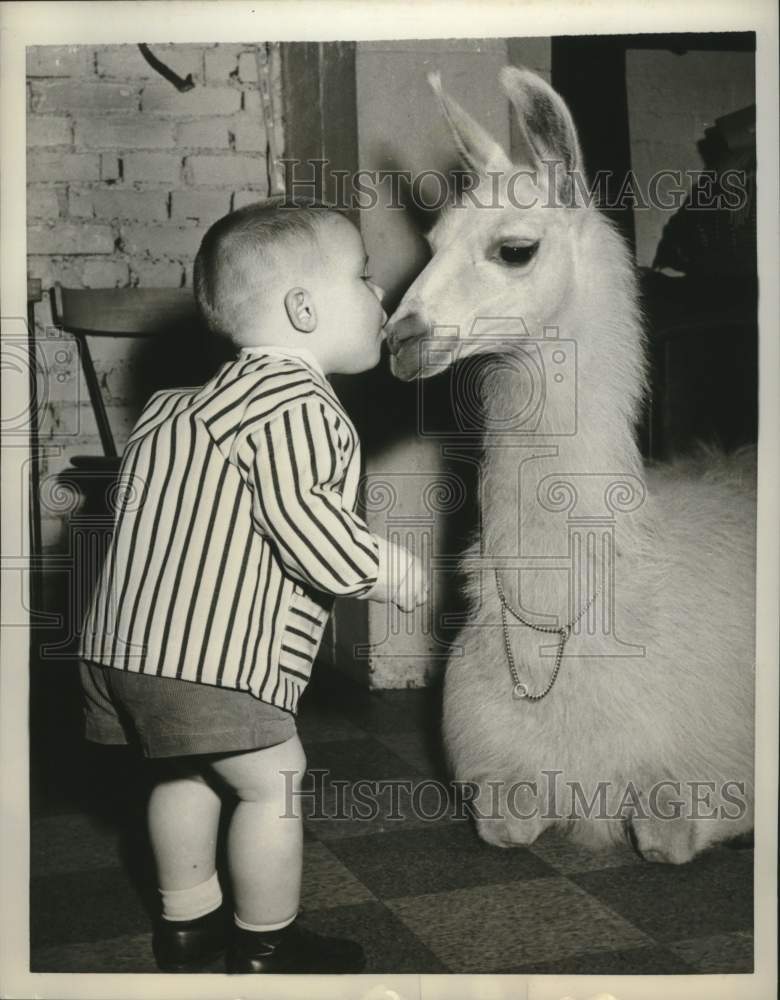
96 398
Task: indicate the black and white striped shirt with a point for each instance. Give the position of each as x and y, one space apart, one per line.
234 531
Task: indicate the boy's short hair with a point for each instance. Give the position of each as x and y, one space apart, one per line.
228 269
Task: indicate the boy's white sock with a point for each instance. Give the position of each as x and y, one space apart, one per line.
263 928
189 904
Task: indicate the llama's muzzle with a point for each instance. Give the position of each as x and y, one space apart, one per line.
405 335
405 329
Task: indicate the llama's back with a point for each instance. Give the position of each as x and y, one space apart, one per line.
731 471
704 551
705 508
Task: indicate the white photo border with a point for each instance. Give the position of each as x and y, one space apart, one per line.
26 24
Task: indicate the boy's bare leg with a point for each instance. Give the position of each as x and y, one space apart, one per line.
265 839
183 819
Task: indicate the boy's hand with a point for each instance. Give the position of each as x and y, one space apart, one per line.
413 587
401 580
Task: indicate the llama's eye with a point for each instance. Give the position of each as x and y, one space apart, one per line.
517 254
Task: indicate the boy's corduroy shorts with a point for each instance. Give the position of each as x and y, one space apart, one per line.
168 717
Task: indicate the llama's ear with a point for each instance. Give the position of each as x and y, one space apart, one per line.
545 123
477 148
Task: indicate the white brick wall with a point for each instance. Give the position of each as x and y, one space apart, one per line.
172 240
146 205
125 173
78 96
49 130
152 168
111 133
159 97
205 133
64 238
125 62
42 202
200 206
218 170
62 165
59 60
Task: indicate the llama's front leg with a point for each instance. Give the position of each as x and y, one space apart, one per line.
670 842
673 828
660 826
508 813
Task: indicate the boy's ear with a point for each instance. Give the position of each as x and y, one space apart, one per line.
300 310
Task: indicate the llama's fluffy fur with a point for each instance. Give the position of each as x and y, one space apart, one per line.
683 712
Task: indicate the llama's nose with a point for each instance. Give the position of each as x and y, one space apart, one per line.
406 323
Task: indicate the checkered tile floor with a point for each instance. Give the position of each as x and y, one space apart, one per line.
421 896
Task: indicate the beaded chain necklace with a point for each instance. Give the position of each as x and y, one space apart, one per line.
520 690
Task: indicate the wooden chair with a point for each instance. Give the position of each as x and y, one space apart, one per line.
116 312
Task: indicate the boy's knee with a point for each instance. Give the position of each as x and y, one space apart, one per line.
264 774
297 755
292 766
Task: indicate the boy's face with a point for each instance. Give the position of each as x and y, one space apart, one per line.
350 317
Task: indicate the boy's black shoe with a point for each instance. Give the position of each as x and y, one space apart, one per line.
292 949
188 945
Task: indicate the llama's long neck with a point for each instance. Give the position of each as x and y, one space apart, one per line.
542 490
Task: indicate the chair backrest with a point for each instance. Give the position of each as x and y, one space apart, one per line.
121 312
117 312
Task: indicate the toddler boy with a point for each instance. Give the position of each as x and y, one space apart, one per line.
235 531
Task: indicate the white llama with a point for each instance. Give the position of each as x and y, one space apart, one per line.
647 729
